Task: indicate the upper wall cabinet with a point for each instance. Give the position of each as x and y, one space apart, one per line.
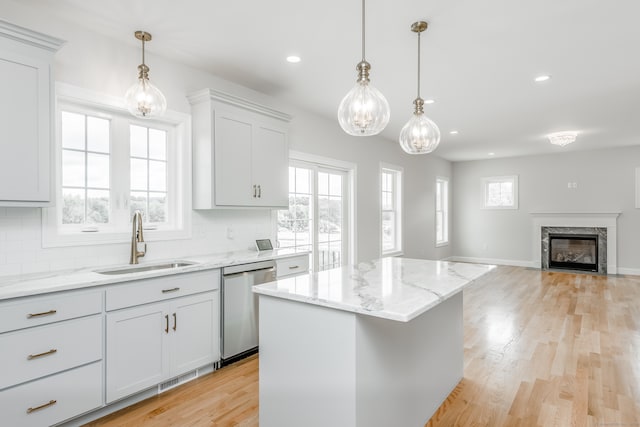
240 153
26 116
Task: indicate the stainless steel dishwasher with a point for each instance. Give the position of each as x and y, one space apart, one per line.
240 308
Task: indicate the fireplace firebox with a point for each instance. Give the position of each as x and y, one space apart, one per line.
573 252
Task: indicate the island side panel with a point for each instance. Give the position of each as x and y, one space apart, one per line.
406 370
307 373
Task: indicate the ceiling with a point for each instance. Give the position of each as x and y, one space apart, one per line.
479 60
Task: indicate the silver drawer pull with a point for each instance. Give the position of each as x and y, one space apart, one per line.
46 353
50 403
45 313
293 267
166 291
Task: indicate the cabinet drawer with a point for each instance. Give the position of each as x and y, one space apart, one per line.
36 352
293 265
53 399
161 288
40 310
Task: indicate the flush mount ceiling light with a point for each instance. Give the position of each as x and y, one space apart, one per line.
293 59
364 110
542 78
420 135
144 99
562 138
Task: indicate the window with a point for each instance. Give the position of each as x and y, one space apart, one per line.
111 164
442 211
500 192
317 219
391 214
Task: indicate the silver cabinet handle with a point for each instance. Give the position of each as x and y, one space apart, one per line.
259 191
50 403
293 267
46 353
175 321
166 291
166 328
44 313
254 190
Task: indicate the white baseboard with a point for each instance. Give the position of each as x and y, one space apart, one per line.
511 262
629 271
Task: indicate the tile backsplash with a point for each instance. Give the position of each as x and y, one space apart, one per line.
213 231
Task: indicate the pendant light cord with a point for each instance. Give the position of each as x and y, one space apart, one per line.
418 65
143 50
363 30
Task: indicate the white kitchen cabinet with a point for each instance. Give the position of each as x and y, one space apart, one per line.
26 116
292 266
150 343
240 153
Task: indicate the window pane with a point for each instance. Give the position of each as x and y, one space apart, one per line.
335 185
335 253
97 206
97 134
138 141
138 174
157 207
323 184
302 207
72 130
157 144
438 195
72 206
73 168
324 222
323 256
334 218
303 184
387 201
157 175
388 231
98 170
439 227
303 236
138 202
286 234
292 179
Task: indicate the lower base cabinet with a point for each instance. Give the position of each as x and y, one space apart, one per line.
53 399
149 344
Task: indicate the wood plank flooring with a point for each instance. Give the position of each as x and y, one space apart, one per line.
541 349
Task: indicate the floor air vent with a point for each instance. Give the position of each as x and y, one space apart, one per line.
177 381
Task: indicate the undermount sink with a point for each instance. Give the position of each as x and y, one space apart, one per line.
141 268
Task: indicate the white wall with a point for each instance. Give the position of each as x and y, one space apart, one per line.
605 183
102 65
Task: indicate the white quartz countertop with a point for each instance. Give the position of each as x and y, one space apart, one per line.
391 288
41 283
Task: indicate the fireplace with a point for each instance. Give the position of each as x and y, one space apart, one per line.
574 248
573 252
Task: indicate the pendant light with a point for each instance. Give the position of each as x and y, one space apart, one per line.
420 135
364 110
144 99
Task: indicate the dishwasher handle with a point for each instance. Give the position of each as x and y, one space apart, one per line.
234 270
240 273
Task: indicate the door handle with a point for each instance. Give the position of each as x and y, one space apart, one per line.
259 191
175 321
166 328
254 190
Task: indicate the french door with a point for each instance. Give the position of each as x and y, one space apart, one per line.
317 218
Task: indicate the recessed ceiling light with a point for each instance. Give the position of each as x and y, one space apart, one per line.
293 59
429 101
454 132
491 154
542 78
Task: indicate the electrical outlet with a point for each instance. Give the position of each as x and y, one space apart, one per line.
230 233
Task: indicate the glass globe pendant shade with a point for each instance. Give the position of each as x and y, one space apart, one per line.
419 135
145 100
364 111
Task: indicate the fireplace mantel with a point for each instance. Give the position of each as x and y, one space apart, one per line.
577 219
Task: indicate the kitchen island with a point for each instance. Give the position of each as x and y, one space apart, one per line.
377 344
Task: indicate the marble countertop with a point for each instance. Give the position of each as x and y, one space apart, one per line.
41 283
391 288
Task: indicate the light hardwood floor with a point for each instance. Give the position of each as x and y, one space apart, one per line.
541 349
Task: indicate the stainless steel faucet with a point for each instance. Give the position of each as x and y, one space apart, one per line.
137 238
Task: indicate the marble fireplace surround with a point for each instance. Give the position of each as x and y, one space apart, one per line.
608 220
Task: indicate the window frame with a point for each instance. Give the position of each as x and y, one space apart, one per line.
513 179
397 197
178 127
444 204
